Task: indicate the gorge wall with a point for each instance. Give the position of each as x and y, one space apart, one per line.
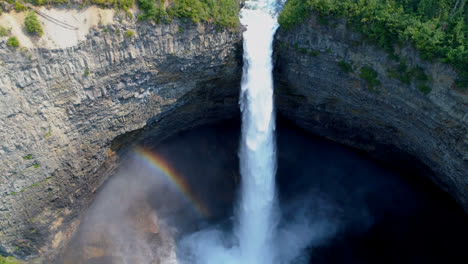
64 112
393 121
61 110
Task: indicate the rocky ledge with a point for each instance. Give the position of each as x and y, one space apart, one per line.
319 85
62 110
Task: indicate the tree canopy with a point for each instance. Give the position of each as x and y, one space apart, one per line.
223 13
437 28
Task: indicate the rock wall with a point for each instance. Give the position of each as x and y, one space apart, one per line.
61 110
394 122
64 112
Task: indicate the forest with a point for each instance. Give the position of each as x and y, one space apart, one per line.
438 29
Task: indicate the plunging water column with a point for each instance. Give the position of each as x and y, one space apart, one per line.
254 239
257 224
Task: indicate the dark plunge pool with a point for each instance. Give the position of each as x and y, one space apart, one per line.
355 209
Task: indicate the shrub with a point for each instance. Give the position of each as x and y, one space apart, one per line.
314 53
120 4
13 42
462 84
19 7
419 74
294 12
8 260
48 134
48 2
3 32
406 76
345 67
322 20
32 24
129 15
370 75
401 73
125 4
86 71
192 9
129 34
425 89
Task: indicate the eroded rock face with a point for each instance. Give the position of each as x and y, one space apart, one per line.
60 110
394 122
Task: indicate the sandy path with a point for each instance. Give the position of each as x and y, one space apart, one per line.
56 36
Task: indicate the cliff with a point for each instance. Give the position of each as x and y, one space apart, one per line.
65 111
61 110
330 82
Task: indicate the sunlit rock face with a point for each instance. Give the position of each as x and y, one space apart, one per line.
61 109
394 122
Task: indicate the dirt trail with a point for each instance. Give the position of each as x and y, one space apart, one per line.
56 35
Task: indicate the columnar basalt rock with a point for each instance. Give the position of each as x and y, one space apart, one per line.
64 112
393 121
60 111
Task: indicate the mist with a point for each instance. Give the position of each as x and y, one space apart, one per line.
129 222
335 205
305 222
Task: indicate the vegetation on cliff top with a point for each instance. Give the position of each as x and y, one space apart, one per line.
121 4
223 13
13 42
437 28
32 24
3 31
8 260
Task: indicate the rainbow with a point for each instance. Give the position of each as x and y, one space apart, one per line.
158 163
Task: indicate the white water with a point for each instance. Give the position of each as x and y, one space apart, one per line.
257 207
257 237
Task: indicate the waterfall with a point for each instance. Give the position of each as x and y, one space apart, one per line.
257 236
256 209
